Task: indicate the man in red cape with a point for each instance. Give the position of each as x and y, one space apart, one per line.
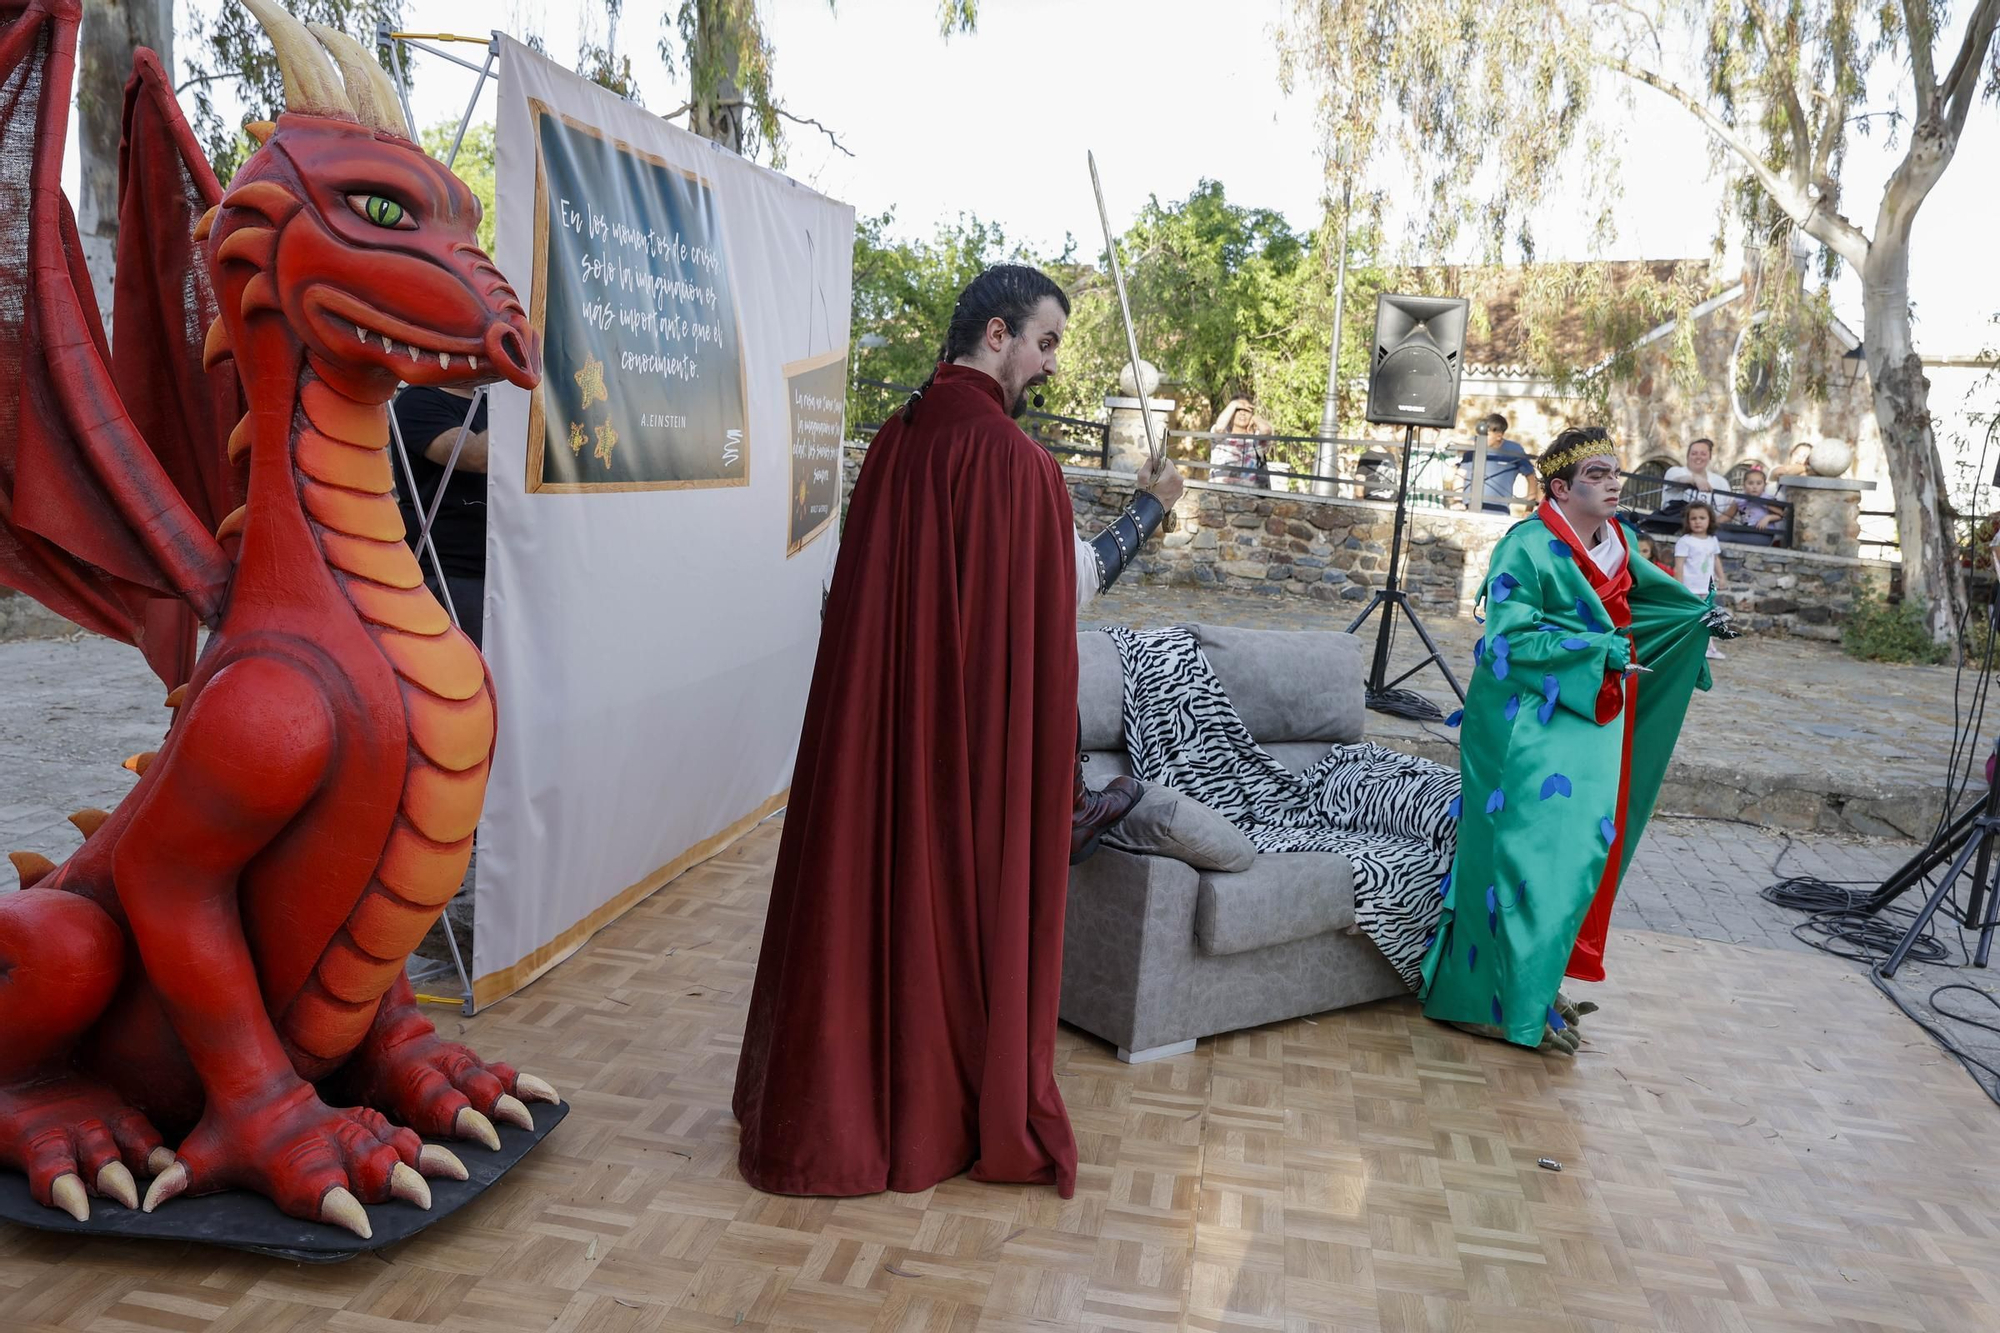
902 1028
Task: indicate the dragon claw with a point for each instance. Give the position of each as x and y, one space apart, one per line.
472 1125
436 1161
408 1186
341 1209
68 1194
169 1183
115 1182
510 1111
533 1089
159 1160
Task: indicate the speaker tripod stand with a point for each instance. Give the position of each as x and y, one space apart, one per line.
1389 599
1968 843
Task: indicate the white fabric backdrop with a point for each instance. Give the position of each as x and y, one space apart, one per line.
651 650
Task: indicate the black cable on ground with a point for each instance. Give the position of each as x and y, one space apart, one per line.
1837 924
1406 704
1973 1064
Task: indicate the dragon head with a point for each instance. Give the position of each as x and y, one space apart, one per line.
359 239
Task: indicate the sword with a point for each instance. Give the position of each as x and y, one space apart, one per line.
1153 447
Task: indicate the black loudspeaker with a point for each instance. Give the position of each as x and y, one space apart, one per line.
1413 372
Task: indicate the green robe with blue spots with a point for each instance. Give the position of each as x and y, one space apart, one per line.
1541 767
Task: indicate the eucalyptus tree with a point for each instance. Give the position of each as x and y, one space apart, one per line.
722 46
1487 100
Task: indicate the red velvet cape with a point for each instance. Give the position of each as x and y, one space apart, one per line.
902 1027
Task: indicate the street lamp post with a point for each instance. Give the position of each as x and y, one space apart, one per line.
1327 459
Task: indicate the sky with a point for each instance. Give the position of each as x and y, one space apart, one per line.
1167 93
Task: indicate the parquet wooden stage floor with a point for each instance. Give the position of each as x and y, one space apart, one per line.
1750 1141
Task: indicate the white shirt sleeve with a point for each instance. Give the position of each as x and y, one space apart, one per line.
1086 572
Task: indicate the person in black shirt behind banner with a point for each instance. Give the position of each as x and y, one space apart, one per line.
430 420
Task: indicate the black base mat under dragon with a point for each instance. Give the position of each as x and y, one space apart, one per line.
244 1221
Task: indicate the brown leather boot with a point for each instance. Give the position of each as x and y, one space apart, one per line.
1097 811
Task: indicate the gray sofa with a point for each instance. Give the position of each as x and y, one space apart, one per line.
1157 954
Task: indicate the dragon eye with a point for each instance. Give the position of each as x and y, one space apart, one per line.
381 210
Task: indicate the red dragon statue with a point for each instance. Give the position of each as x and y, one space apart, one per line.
220 966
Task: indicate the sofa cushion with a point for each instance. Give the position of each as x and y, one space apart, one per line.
1297 756
1289 685
1173 824
1100 691
1100 766
1284 896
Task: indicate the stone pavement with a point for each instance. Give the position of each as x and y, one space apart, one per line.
1700 879
71 711
1794 735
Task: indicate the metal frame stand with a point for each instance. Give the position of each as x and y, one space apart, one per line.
395 41
1971 836
1969 841
1389 599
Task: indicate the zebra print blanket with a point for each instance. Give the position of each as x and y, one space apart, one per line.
1386 812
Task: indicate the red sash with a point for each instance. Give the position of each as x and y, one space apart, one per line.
1619 691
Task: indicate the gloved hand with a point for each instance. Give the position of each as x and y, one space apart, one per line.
1719 622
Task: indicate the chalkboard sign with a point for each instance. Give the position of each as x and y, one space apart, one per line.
643 379
816 390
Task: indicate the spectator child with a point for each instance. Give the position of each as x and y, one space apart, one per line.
1650 547
1698 554
1757 512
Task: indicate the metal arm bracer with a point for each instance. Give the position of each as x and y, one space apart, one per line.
1119 544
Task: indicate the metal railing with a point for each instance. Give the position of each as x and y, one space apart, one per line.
1646 501
1375 466
1884 545
1437 476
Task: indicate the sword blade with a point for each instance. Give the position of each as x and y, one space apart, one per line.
1124 309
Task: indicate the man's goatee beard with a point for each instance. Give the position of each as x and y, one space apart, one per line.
1020 406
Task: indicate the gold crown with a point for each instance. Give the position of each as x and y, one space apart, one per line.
1556 460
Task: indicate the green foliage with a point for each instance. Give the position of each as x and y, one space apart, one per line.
229 48
474 165
602 64
1228 301
904 291
1878 630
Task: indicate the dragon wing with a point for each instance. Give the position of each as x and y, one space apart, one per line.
113 464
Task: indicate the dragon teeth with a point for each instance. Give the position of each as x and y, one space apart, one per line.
361 333
444 359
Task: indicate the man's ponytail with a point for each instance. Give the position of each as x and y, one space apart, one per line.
910 408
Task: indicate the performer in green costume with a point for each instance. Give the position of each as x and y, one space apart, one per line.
1578 690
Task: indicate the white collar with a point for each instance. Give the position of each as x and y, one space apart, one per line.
1608 555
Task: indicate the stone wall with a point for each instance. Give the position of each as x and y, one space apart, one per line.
1283 545
25 618
1796 592
1655 413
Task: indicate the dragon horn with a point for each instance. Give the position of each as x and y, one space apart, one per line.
311 85
368 87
